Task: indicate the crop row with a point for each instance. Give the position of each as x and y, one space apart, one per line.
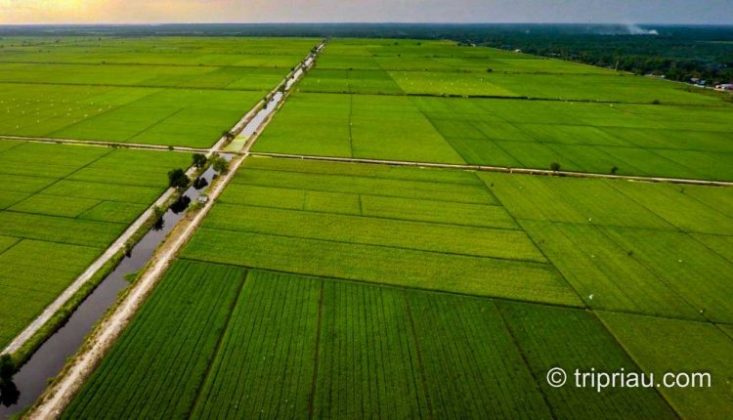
298 347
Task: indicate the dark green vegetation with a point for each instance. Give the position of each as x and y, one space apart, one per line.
277 345
385 99
60 207
172 91
678 52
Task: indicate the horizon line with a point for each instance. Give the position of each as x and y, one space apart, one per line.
72 24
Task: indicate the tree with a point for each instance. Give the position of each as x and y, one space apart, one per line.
220 164
555 167
228 135
178 179
199 160
614 170
7 368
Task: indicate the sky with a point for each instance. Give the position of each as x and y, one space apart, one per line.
245 11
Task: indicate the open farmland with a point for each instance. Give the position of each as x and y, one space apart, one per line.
421 228
170 91
294 347
64 205
629 246
435 102
325 289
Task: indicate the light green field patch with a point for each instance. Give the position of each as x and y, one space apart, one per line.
722 245
440 238
114 212
662 345
36 285
551 337
671 203
403 267
437 211
604 274
6 242
697 274
559 199
54 205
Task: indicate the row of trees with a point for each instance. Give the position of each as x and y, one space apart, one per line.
177 178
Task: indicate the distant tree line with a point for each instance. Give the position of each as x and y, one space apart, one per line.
675 51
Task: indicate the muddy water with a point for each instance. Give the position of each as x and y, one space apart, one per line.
48 361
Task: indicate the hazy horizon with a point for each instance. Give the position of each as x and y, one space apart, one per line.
130 12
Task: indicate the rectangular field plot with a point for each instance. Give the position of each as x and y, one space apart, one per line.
297 347
663 346
611 202
399 226
161 361
648 140
64 205
626 246
169 91
362 126
398 100
162 51
443 68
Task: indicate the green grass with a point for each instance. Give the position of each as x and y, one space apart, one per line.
606 275
64 205
665 345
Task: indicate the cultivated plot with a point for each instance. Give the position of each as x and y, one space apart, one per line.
420 228
64 205
629 246
169 91
298 346
436 102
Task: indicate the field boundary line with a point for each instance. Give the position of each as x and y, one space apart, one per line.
104 143
316 351
57 396
503 169
219 342
634 360
394 247
418 354
515 98
538 381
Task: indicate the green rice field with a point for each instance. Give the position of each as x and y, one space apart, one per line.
436 102
64 205
285 346
372 289
324 289
169 91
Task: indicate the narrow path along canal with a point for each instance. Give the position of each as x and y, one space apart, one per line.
50 358
48 361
